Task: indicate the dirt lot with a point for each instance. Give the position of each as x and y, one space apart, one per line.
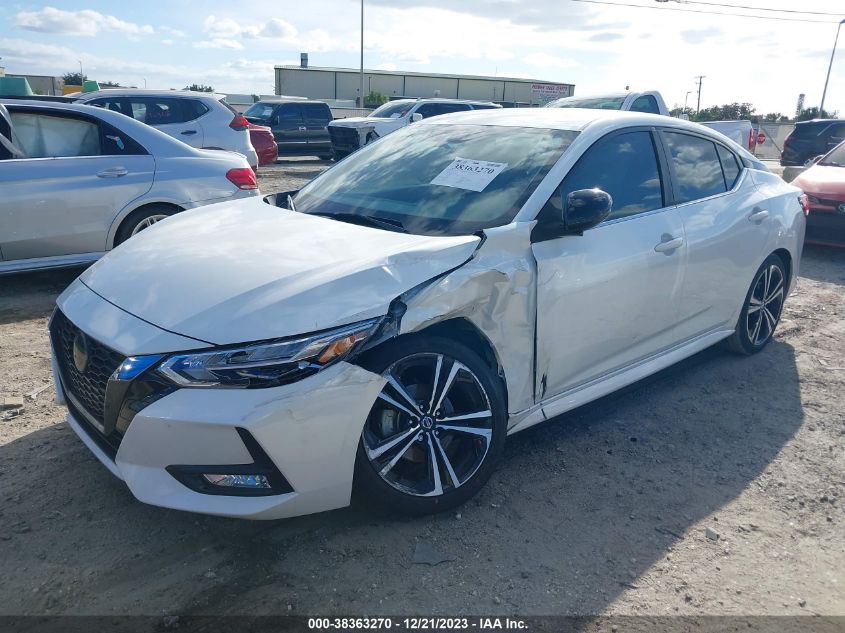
601 511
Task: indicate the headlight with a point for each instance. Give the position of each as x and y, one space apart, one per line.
266 364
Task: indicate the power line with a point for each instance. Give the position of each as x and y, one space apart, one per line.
740 6
736 15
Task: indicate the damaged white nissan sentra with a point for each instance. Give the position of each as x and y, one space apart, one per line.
388 325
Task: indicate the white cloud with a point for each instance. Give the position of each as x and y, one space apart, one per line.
546 60
219 42
172 31
84 23
274 28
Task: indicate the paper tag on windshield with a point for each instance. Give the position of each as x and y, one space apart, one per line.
465 173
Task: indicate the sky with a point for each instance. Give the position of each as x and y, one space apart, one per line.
233 46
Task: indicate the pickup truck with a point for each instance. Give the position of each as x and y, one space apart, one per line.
651 101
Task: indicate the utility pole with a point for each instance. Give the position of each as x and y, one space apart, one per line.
698 107
362 55
827 79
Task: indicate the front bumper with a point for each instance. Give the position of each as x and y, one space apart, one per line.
309 429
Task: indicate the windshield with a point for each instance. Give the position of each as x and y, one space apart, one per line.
260 110
438 179
836 158
392 110
597 103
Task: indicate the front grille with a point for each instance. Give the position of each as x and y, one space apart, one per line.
88 386
344 138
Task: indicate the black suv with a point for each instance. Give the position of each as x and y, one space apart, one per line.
300 127
810 139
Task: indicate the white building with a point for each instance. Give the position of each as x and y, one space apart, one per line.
344 83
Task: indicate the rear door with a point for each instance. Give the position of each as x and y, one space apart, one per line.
172 116
317 117
78 174
726 223
609 298
289 129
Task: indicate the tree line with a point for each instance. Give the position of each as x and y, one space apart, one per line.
745 111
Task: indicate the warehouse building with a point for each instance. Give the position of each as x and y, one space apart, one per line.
345 83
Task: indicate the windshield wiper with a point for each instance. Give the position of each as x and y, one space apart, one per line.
366 220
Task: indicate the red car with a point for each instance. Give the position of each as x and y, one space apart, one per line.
824 184
264 144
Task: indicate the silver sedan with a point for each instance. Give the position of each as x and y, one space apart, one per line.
79 180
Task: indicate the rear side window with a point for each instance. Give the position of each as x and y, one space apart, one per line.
316 113
625 166
155 111
698 171
805 130
193 108
730 166
836 131
645 103
48 136
113 142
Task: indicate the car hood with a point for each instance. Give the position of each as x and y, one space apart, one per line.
354 121
822 180
246 271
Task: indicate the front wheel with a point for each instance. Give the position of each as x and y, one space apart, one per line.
762 308
436 430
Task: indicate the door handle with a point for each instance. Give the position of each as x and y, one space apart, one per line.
303 129
667 246
758 215
188 132
112 172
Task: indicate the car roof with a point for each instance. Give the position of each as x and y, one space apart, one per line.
278 101
141 92
575 119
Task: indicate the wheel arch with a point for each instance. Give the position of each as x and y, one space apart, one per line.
121 219
463 331
786 258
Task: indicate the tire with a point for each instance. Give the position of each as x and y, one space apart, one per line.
762 308
395 451
142 218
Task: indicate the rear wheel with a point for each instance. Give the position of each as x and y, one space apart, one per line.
762 308
436 430
141 219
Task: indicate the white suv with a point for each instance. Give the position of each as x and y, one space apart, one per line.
348 135
200 119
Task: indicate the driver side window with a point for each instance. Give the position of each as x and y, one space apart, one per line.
625 166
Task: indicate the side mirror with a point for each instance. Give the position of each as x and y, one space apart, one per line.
416 117
586 208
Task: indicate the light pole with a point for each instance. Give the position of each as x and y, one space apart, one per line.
686 98
362 55
827 79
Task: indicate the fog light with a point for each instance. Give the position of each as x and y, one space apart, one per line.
238 481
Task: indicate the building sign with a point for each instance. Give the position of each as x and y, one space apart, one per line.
544 93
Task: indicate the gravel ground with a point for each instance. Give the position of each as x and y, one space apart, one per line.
715 487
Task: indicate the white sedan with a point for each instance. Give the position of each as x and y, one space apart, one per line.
454 282
77 181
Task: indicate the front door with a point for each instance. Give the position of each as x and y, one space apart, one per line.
608 298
